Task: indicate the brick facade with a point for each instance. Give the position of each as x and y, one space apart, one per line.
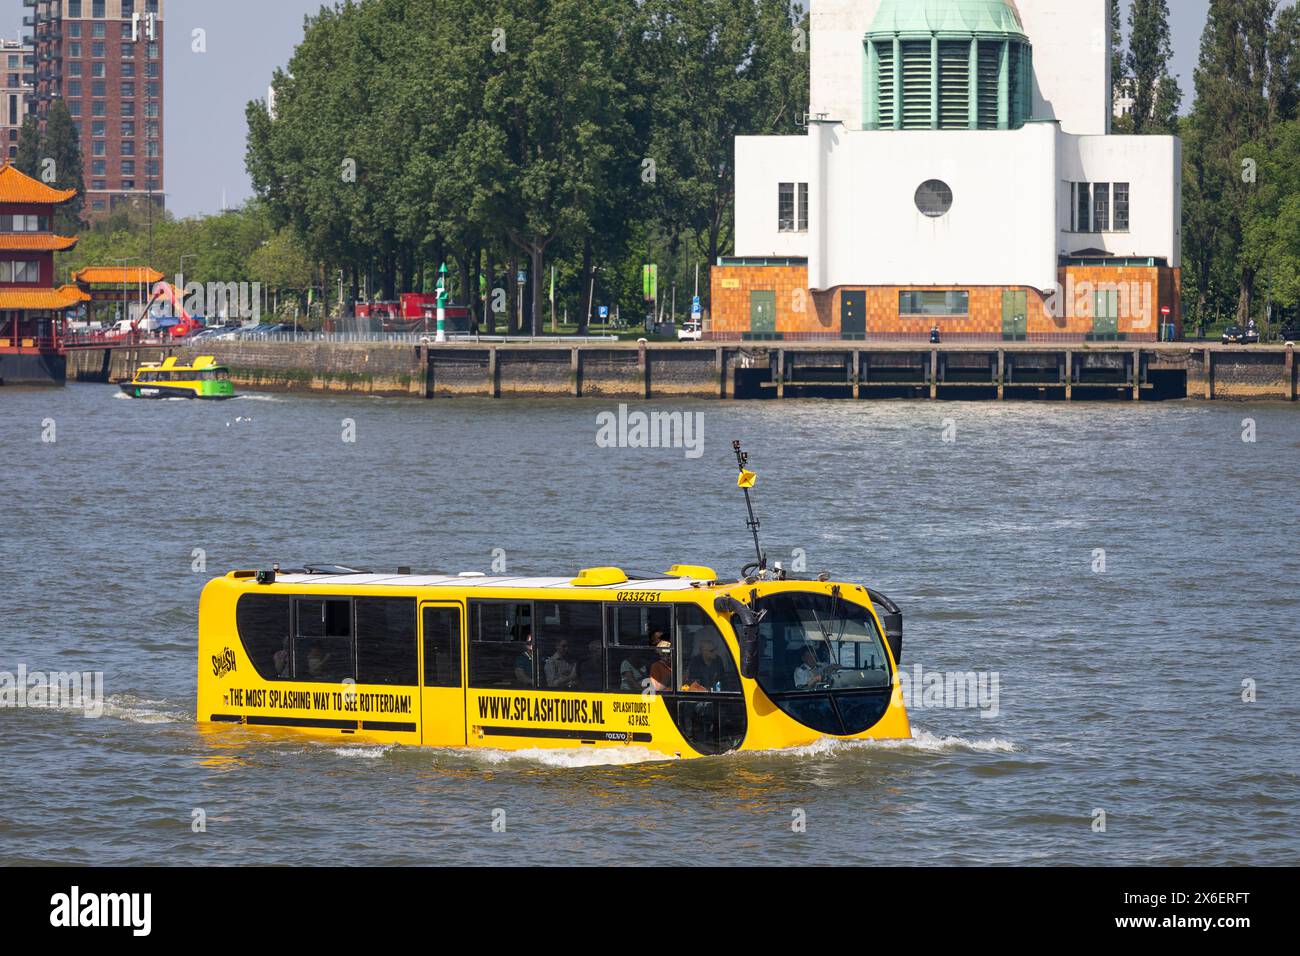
1139 293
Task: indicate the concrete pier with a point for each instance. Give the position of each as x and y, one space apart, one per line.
845 370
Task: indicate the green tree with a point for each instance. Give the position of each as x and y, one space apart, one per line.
28 160
1271 239
1245 87
1156 94
724 68
62 144
1118 88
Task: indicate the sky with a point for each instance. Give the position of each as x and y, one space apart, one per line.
205 93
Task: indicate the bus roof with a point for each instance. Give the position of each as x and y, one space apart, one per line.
664 583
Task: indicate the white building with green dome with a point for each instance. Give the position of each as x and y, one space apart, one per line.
958 171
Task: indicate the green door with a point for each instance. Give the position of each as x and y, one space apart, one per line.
1015 315
1105 315
762 311
853 314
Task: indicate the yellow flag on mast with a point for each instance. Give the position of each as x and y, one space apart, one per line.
746 478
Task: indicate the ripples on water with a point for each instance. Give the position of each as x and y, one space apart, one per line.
1119 691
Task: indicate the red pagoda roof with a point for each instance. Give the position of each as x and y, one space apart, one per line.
116 275
62 298
17 187
35 242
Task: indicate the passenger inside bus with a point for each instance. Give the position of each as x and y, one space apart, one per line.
591 669
524 662
281 659
705 670
560 671
661 671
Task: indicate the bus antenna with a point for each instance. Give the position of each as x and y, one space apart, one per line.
746 481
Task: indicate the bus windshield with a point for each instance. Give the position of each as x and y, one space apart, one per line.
817 642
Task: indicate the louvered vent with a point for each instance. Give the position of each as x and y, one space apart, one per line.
954 85
885 83
917 77
990 62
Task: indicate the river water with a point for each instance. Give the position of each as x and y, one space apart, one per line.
1127 572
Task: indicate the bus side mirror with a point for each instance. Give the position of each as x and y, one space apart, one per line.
750 650
751 641
894 635
892 619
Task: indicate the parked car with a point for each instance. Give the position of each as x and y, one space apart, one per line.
1236 335
690 332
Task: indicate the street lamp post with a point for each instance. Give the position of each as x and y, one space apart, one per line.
121 263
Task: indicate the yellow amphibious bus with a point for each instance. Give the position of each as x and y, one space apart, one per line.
681 663
169 379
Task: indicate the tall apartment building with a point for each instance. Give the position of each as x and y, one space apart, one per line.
104 59
16 79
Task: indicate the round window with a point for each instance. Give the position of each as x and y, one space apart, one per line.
933 198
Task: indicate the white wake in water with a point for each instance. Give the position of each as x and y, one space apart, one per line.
922 741
587 757
131 708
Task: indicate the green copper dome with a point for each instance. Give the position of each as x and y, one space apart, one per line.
947 64
978 17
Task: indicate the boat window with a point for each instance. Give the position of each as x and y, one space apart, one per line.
501 645
442 647
570 645
262 621
387 652
322 646
814 642
706 661
634 629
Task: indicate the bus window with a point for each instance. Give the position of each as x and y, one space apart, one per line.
386 647
442 647
706 662
501 645
322 645
816 642
263 624
633 632
569 637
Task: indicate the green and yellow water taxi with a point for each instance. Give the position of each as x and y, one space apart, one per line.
204 378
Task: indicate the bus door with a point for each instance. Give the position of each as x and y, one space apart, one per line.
442 687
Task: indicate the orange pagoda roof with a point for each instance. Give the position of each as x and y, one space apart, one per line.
35 242
17 187
62 298
116 275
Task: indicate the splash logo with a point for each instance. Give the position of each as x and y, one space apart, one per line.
72 910
223 663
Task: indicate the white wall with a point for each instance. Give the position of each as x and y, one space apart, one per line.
1152 166
1071 41
1001 229
835 46
762 163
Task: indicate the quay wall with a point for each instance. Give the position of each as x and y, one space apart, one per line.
734 370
